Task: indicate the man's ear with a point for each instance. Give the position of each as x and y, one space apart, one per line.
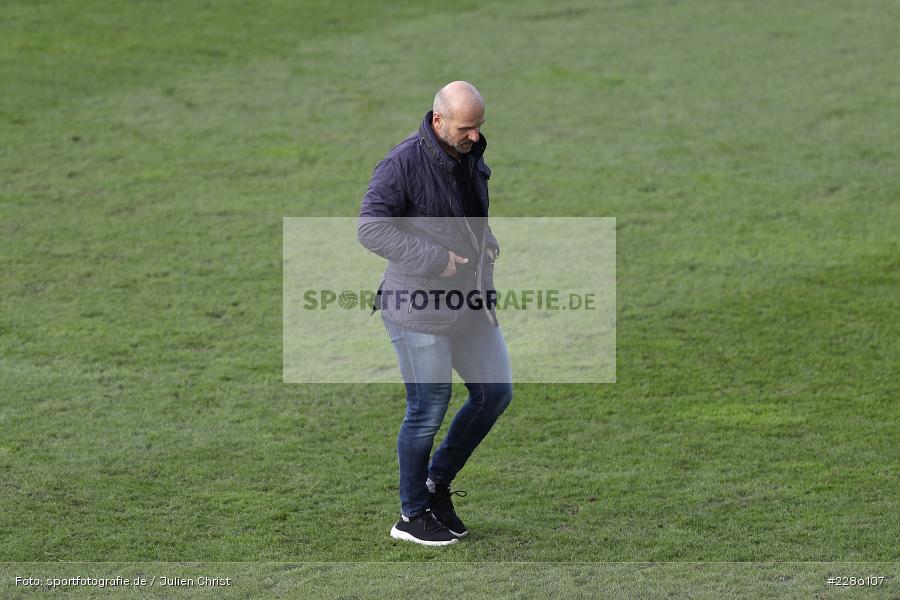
437 119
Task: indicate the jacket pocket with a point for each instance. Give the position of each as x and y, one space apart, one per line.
416 300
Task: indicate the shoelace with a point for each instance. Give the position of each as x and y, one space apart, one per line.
446 492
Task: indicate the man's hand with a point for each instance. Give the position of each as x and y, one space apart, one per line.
450 271
493 253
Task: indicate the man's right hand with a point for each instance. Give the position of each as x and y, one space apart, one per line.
455 259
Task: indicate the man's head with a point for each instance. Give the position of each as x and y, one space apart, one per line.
458 114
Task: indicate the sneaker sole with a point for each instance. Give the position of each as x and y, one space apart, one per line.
402 535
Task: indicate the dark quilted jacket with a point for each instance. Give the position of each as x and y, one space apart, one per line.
412 214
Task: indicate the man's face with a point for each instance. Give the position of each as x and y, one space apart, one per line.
461 129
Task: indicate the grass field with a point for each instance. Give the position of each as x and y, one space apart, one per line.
747 149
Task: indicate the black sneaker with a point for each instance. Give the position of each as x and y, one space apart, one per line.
442 507
423 529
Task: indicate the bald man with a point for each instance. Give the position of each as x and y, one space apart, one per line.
426 211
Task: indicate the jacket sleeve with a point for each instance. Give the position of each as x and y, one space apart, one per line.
380 225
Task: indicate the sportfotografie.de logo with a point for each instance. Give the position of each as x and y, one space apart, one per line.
525 299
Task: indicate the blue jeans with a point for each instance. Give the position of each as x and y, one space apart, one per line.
480 357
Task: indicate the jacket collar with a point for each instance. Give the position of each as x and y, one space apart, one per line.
437 152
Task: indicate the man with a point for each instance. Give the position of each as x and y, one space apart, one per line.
426 211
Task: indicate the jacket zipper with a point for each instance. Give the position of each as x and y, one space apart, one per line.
472 237
474 240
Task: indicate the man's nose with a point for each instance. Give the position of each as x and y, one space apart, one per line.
474 135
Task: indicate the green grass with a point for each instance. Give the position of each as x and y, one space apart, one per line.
470 581
748 151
